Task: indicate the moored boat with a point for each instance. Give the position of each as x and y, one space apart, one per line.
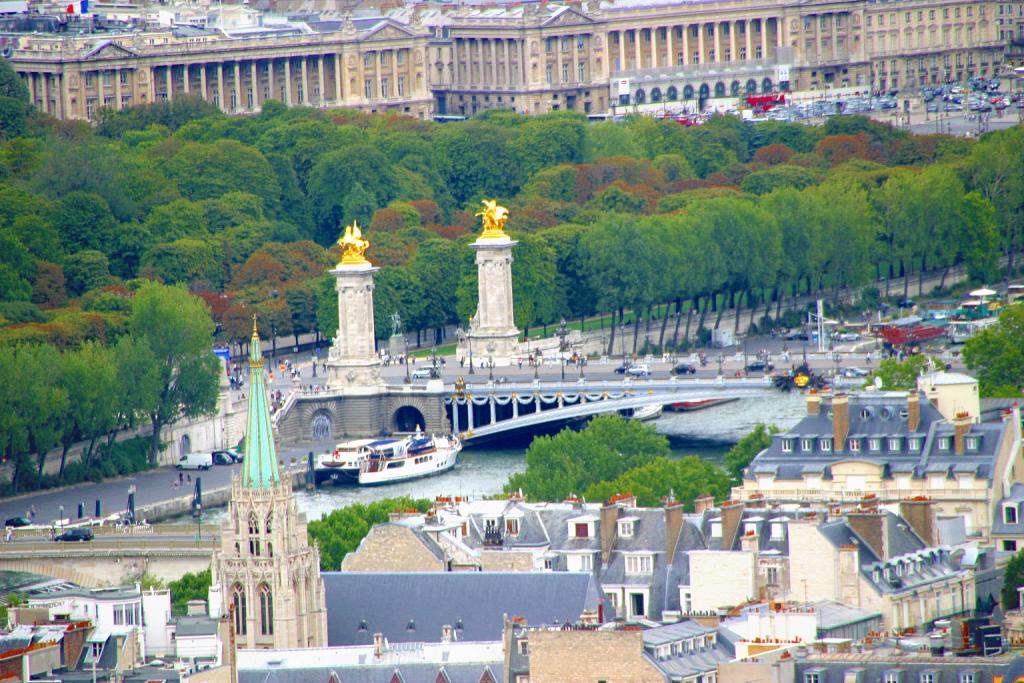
341 466
651 411
386 462
700 404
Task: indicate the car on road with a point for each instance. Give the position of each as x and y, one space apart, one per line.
684 369
195 461
74 535
847 336
906 303
426 373
18 522
855 372
222 458
639 370
621 370
759 366
231 455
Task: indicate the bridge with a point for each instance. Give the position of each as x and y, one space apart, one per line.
488 409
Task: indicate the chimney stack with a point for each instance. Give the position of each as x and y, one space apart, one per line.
913 411
673 525
840 421
703 503
961 426
378 644
870 526
732 521
919 513
813 402
447 633
609 530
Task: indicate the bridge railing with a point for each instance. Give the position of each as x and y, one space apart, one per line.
850 495
108 544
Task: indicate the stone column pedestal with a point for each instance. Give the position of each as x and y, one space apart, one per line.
493 331
353 363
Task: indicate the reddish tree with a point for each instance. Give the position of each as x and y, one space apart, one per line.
773 154
48 287
430 212
261 270
387 220
836 149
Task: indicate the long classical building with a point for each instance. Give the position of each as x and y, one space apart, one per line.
528 57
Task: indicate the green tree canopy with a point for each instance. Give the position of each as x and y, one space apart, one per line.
996 355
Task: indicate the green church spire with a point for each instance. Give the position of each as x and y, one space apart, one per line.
260 467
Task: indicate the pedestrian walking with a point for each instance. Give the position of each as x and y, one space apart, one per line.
189 478
181 477
32 513
9 536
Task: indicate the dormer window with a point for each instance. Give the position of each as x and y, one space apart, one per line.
894 444
787 445
806 445
716 528
874 445
778 531
943 443
626 528
972 443
639 564
1010 514
512 526
914 444
750 528
826 445
582 530
854 445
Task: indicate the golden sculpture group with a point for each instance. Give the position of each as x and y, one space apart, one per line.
494 218
355 246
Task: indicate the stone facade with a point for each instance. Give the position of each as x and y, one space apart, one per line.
353 363
493 334
588 656
531 58
350 415
392 548
378 67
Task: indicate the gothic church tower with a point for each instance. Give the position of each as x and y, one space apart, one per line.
265 574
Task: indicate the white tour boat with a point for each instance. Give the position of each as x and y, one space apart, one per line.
341 466
386 461
651 411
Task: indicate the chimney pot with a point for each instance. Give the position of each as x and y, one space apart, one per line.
813 402
840 421
913 411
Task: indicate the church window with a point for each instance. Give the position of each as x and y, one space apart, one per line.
238 599
270 522
270 549
254 526
266 611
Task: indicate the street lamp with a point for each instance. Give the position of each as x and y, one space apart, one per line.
61 518
563 332
469 337
405 340
199 522
622 339
490 368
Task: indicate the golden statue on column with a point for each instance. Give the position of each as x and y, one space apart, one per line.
354 245
494 218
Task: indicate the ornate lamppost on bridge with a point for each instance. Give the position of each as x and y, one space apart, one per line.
490 369
469 338
562 333
719 364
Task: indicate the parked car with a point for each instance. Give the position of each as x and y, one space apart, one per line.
426 373
847 336
18 521
855 372
222 458
684 369
82 534
760 366
906 303
195 461
639 370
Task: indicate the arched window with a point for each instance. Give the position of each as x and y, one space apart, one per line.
719 89
269 522
238 549
751 86
705 91
656 95
766 85
672 94
266 610
254 524
238 600
254 547
640 96
734 89
687 92
270 549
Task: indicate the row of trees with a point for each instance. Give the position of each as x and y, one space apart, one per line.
244 210
159 370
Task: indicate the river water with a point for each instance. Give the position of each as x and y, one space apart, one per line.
484 470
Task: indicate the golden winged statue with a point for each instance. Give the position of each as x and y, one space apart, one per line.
494 220
354 245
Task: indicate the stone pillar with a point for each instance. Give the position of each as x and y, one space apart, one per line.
654 47
254 82
622 51
493 330
749 36
320 83
270 80
339 62
352 362
184 76
304 75
638 35
718 43
670 56
202 82
686 46
220 87
700 43
288 81
238 86
764 39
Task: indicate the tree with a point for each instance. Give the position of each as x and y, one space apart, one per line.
177 329
683 479
900 375
742 454
14 103
184 260
333 179
569 462
84 221
208 171
996 355
340 532
783 175
191 586
90 378
86 270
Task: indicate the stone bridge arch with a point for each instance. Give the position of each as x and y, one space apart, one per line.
407 418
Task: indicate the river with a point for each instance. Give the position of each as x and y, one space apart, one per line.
484 470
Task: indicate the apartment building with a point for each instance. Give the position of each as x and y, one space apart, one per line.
530 58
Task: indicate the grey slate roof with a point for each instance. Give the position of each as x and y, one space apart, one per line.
409 673
388 602
882 416
1015 500
195 626
688 663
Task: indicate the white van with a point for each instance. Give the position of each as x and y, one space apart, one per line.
195 461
